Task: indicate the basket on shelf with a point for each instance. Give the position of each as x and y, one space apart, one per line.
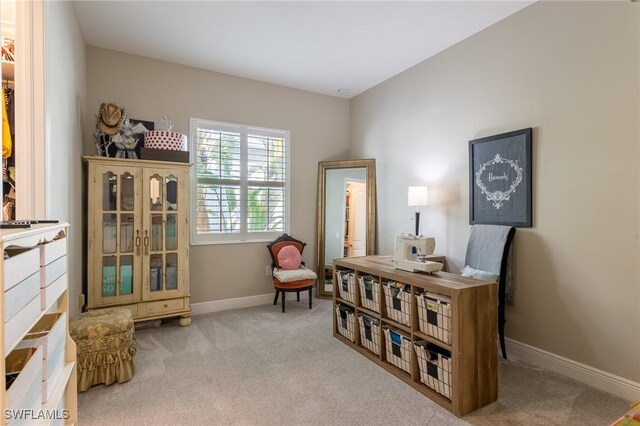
398 348
370 333
435 367
398 302
347 285
434 315
369 292
346 320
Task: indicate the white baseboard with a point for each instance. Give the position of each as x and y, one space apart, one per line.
607 382
236 303
240 302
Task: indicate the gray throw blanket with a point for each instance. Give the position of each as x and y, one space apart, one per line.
484 252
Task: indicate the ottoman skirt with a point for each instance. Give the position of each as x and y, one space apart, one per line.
105 341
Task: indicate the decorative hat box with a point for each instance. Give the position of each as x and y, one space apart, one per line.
164 145
165 139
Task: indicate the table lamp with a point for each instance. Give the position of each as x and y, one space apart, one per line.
418 196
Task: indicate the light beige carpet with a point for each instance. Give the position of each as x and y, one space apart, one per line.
259 366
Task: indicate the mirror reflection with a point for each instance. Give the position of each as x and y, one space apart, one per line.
346 215
155 192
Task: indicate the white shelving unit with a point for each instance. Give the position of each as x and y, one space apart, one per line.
8 70
34 292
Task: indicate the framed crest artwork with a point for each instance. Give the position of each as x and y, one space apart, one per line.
500 179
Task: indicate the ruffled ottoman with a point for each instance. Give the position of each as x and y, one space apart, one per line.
106 346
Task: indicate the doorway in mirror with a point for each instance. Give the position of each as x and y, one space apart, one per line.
355 237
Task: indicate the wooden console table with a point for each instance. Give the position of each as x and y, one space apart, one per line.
473 332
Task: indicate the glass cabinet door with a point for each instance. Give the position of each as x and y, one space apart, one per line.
117 244
164 221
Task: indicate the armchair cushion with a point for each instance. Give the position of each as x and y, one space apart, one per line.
287 276
279 243
289 258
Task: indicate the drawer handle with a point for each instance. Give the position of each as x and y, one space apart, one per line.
166 305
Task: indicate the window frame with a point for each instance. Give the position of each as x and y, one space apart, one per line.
243 236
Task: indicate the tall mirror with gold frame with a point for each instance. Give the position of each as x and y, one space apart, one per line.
346 215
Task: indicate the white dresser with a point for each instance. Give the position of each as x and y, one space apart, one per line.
38 351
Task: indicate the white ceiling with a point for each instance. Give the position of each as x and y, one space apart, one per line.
315 46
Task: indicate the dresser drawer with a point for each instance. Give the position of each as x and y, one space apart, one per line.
52 292
156 308
27 387
20 295
53 271
49 332
22 264
52 251
133 308
59 420
20 323
51 369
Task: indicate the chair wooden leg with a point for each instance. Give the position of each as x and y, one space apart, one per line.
502 344
310 293
502 291
283 294
275 300
501 316
298 296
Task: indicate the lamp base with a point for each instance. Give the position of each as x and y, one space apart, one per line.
417 224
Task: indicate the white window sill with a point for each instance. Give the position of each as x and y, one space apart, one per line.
213 243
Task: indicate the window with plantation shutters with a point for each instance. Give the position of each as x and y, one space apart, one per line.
240 189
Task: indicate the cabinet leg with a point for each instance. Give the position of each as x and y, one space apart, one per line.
185 321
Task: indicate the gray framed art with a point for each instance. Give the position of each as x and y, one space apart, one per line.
500 179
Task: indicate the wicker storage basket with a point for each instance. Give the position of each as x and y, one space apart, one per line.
398 348
347 285
434 315
346 320
369 292
398 302
370 333
435 367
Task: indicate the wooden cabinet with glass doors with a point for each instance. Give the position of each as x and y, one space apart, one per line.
138 237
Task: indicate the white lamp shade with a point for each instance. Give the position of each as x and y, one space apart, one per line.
418 196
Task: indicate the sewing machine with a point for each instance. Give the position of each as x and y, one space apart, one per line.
411 252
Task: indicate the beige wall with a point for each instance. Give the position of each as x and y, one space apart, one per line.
319 128
65 86
570 71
